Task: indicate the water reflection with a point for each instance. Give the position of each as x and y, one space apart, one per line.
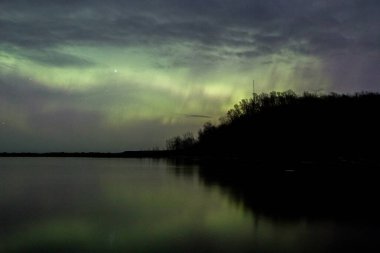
300 210
117 205
143 205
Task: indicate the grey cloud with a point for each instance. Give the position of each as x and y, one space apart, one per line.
51 119
55 58
33 101
37 118
47 56
214 30
271 24
197 116
28 94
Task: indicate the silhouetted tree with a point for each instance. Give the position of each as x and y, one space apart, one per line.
283 126
178 143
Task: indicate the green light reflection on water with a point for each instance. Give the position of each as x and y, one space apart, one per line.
86 205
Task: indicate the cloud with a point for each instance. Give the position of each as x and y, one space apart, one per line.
201 36
110 117
216 30
58 59
197 116
174 57
262 25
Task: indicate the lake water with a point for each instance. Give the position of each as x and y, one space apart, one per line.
145 205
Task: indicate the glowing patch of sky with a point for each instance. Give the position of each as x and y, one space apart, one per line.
152 74
138 68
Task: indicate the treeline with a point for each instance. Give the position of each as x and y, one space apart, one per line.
287 126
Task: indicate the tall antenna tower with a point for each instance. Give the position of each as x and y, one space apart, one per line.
253 88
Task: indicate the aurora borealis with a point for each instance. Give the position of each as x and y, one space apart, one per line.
90 75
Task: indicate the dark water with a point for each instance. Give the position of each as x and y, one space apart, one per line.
143 205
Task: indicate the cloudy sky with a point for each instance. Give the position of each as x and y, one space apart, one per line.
91 75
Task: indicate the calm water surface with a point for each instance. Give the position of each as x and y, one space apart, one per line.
144 205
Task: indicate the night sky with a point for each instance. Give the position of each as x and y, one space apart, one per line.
117 75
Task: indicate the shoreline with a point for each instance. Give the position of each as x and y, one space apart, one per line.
224 162
126 154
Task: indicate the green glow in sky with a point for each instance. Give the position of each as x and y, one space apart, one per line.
131 74
128 85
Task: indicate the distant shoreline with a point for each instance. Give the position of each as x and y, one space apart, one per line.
223 161
126 154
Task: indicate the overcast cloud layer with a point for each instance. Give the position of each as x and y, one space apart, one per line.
116 75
